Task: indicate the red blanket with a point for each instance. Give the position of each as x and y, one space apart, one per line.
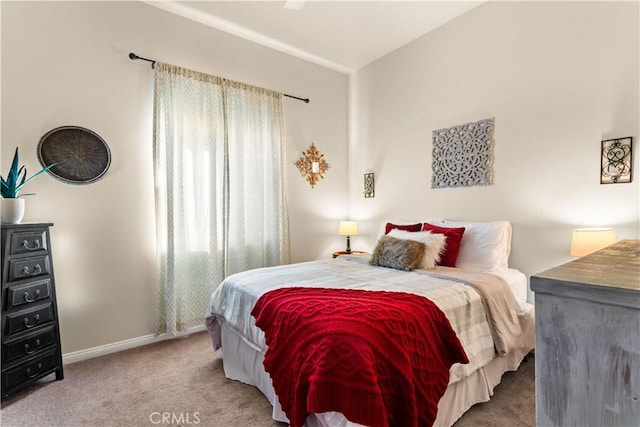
379 358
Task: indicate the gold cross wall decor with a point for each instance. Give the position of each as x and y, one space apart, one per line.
312 165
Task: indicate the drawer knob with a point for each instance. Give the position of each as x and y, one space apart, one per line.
28 325
36 270
34 247
37 346
36 295
35 373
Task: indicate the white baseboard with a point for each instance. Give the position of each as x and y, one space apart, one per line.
89 353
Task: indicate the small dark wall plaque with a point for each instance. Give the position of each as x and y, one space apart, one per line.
369 185
81 155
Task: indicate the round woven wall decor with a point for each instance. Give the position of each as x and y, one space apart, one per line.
81 155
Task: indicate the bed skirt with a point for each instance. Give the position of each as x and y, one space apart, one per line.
242 361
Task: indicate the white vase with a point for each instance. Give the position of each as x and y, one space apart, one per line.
11 211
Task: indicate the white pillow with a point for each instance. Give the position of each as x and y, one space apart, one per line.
434 244
485 245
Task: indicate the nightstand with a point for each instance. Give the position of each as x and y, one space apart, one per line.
338 253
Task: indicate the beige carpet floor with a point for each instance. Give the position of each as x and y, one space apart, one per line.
182 380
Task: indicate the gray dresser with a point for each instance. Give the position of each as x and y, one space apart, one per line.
588 339
30 333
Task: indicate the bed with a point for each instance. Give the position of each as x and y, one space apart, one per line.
483 299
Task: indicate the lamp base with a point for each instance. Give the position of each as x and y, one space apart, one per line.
348 245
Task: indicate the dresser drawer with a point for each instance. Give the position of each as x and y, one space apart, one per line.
23 242
29 319
22 268
32 369
28 345
28 293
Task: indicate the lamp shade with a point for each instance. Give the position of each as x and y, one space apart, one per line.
348 228
588 240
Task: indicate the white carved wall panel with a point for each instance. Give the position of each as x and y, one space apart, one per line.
463 155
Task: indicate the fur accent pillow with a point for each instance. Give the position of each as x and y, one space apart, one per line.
434 245
397 253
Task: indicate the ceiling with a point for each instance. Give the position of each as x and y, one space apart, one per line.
341 35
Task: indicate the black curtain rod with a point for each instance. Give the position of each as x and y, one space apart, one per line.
134 57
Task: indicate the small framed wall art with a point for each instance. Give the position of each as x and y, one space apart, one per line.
615 166
369 186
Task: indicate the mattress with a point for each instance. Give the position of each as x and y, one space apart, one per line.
518 284
233 328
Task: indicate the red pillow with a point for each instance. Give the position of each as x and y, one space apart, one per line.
452 246
407 227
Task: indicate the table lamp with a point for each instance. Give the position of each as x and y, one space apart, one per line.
348 228
588 240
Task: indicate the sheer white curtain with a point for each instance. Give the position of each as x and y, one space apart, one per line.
258 233
219 184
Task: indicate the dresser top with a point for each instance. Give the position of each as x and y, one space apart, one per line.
616 266
27 225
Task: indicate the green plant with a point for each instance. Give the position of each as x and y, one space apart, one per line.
17 178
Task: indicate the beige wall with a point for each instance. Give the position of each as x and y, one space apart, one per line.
557 77
65 63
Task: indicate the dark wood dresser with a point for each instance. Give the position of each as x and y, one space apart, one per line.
588 339
30 333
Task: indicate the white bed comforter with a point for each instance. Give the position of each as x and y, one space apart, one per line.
234 299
